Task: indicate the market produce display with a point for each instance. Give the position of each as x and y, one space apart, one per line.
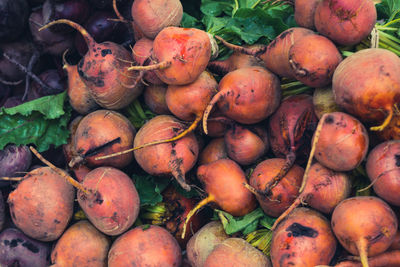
199 133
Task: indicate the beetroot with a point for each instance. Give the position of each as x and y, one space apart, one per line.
323 191
349 21
180 55
280 197
153 16
246 100
290 130
305 238
104 70
370 227
383 170
360 76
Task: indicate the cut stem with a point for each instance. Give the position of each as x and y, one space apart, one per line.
157 66
199 205
240 49
88 38
385 122
13 179
60 172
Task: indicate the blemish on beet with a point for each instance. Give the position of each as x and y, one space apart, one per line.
105 52
298 230
397 159
31 247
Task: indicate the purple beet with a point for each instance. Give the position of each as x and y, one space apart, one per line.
14 159
17 249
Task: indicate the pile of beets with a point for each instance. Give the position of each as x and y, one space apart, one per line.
222 129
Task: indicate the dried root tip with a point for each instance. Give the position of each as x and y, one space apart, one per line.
75 161
64 61
158 66
290 159
60 172
11 179
199 205
362 246
385 122
240 49
208 109
191 128
88 38
317 133
294 205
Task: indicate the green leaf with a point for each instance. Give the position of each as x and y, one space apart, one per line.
388 10
41 122
49 106
150 188
189 21
236 224
217 7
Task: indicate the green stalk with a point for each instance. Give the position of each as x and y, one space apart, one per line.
261 239
296 91
285 86
139 109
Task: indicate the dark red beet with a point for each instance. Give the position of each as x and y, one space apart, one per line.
290 131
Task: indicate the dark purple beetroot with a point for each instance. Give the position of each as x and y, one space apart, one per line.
14 159
2 211
55 82
48 41
75 10
101 27
13 18
22 52
17 249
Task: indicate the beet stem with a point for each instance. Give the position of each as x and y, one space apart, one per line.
157 66
60 172
385 122
31 63
312 152
175 138
236 48
31 74
88 38
199 205
10 82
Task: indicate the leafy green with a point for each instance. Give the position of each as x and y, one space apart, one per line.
42 122
150 188
138 115
388 10
244 224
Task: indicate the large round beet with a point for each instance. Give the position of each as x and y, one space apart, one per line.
151 246
113 203
304 239
345 22
42 204
367 85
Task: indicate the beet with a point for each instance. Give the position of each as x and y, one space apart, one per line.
17 249
14 17
14 161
